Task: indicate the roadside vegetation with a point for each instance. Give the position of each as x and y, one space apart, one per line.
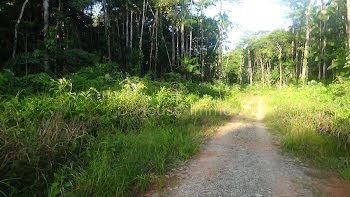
315 124
72 138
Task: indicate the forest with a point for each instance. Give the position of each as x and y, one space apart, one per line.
104 97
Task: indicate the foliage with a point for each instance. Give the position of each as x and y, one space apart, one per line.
315 123
67 140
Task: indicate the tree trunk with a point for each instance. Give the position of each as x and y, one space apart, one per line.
324 69
173 49
348 25
108 38
131 29
46 17
262 72
156 54
320 44
177 47
221 29
167 53
250 71
280 64
191 34
142 23
16 29
57 37
307 40
152 45
202 43
46 6
269 73
182 39
127 25
240 70
293 44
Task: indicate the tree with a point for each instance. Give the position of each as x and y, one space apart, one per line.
16 28
107 24
46 29
348 26
307 40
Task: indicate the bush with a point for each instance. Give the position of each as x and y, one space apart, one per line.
75 59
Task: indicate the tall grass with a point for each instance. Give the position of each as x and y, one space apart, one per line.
111 139
315 123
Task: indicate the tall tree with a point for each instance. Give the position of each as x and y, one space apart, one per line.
250 69
16 29
348 26
46 4
107 32
307 43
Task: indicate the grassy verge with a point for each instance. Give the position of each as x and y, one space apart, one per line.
104 141
315 124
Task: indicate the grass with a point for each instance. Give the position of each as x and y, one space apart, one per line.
114 138
314 124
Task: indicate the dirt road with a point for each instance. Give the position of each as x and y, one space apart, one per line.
244 159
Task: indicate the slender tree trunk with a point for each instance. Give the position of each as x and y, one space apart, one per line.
221 29
250 71
118 29
16 29
269 73
262 72
108 38
127 25
293 44
240 69
156 53
152 46
131 28
191 34
307 40
123 24
46 17
173 49
348 27
280 64
182 39
177 47
182 28
297 64
202 43
320 44
46 6
324 69
167 53
57 37
142 23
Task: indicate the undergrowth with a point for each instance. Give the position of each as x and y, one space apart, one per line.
102 133
315 123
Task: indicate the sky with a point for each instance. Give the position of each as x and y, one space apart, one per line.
252 15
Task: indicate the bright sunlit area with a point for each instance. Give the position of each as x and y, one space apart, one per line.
248 16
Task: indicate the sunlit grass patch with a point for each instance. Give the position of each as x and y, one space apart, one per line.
313 125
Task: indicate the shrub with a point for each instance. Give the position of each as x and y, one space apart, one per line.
75 59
